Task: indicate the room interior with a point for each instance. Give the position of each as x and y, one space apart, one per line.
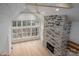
39 29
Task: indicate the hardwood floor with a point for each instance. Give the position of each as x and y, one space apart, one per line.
30 48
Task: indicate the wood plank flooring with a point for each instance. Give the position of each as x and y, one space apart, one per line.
30 48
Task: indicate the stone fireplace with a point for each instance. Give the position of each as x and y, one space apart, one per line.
56 34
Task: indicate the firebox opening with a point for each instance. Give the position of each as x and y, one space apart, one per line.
50 47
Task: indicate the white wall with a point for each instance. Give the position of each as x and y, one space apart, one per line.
4 29
74 36
8 12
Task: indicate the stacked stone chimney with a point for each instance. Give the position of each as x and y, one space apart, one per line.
56 34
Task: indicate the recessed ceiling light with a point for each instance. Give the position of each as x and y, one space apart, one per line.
57 9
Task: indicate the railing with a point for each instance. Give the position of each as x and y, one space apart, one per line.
74 47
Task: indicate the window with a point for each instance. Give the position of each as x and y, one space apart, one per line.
26 32
14 24
14 30
26 23
19 23
35 22
17 33
34 31
25 28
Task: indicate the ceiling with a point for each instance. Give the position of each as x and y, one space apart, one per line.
55 5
